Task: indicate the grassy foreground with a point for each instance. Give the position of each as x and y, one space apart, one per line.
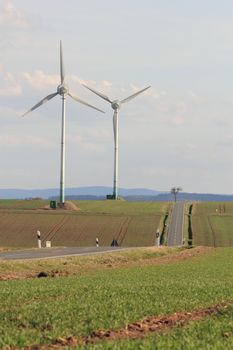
38 311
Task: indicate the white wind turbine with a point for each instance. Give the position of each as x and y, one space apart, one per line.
116 105
62 90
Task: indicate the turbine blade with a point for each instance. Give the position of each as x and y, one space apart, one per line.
98 93
84 103
134 95
62 71
47 98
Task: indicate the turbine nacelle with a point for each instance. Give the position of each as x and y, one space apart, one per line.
116 105
62 89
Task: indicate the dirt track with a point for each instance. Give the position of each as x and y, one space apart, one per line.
137 329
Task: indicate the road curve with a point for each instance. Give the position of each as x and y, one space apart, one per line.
176 226
49 253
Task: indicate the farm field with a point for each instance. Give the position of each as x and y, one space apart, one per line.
66 309
212 224
131 224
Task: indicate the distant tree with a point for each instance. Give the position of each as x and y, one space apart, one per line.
175 191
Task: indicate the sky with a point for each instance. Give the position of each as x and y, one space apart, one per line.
178 133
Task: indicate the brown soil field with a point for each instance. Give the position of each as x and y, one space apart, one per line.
79 223
72 228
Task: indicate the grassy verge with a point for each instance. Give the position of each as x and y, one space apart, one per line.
186 223
37 311
82 264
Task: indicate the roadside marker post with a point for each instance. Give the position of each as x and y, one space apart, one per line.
97 242
38 239
157 238
48 244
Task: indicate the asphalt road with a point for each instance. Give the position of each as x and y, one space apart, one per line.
176 225
45 253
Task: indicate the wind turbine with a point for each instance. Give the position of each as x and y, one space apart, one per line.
63 91
116 105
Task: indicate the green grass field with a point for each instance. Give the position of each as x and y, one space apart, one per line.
38 311
94 207
132 224
212 224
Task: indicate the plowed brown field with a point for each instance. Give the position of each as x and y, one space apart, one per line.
130 224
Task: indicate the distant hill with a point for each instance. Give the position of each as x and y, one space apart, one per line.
100 192
167 197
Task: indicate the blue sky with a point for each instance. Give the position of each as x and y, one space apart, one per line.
179 133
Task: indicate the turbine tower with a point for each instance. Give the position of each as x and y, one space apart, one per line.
63 91
116 105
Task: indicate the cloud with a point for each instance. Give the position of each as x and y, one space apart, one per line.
151 92
15 141
18 32
179 120
8 115
154 103
11 17
39 80
9 84
101 85
167 108
91 140
106 83
191 146
76 79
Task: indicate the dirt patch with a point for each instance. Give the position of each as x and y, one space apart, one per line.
16 276
153 324
41 274
137 329
66 206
